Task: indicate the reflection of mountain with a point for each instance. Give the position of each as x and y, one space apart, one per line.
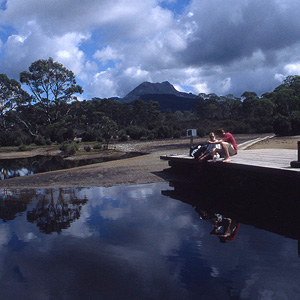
56 212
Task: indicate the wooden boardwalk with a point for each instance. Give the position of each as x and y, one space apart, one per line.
272 161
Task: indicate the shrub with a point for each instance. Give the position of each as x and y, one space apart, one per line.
91 134
22 148
123 135
69 148
282 125
18 142
87 148
40 141
97 146
201 132
177 134
164 131
295 122
136 132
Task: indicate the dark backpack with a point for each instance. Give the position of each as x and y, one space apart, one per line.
196 151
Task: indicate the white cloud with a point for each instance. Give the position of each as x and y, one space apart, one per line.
293 68
112 46
106 54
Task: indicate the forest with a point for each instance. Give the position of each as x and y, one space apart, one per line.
50 112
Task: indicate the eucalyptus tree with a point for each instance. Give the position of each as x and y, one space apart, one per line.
11 96
51 85
108 128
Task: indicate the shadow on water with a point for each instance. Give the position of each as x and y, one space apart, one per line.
229 198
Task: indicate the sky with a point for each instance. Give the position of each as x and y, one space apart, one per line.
199 46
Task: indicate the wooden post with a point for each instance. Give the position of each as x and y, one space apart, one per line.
296 163
192 140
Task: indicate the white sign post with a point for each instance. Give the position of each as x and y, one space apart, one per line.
191 133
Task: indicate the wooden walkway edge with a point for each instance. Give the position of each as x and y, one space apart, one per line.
270 161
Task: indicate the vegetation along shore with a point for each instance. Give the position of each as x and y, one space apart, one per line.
48 119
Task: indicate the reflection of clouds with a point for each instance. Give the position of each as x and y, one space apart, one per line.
4 234
155 241
249 284
79 228
113 213
29 236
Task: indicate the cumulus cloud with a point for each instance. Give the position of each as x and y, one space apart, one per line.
112 46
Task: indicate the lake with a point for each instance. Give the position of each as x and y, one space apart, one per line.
141 242
10 168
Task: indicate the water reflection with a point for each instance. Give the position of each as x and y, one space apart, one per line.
10 168
13 203
56 212
138 242
224 228
265 210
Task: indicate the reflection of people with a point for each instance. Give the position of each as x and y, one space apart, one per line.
225 228
228 145
210 147
229 230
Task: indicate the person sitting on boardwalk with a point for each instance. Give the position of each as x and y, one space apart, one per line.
208 152
228 145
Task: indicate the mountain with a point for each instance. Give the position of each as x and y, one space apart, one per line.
169 102
148 88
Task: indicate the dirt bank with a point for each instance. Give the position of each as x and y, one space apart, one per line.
142 169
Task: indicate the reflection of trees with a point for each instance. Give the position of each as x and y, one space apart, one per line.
13 203
56 212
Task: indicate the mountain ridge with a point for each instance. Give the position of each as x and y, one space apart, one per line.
149 88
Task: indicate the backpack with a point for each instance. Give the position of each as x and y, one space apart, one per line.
196 151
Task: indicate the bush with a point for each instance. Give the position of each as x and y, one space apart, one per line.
164 131
136 132
40 141
48 142
91 135
97 146
87 148
282 125
18 142
14 138
201 132
295 122
177 134
69 148
22 148
123 136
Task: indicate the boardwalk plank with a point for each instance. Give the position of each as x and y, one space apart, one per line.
264 160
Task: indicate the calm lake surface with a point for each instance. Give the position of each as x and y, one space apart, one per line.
10 168
137 242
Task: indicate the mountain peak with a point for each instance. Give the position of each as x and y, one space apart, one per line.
147 88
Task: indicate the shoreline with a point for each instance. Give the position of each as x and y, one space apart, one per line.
143 169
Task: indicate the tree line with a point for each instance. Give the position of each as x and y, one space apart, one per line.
50 112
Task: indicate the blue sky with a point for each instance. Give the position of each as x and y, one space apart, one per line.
200 46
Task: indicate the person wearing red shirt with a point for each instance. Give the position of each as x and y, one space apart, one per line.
228 145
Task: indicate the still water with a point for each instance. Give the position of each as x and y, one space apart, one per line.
136 242
10 168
